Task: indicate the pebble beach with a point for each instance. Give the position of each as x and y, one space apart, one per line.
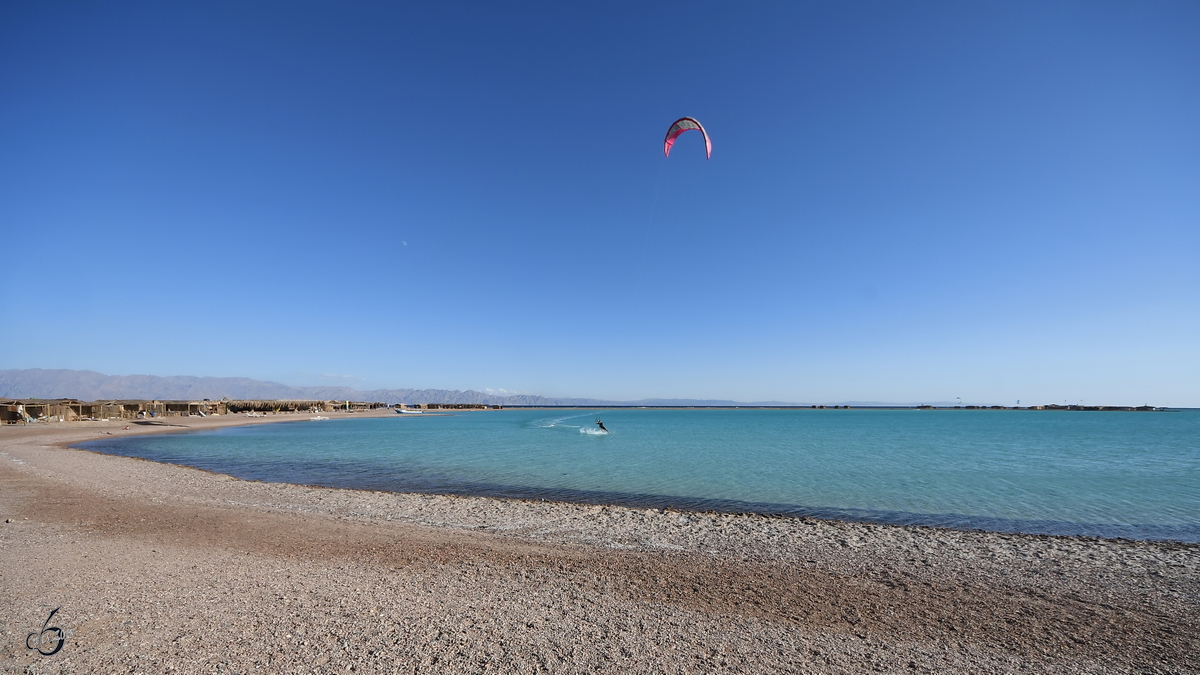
160 568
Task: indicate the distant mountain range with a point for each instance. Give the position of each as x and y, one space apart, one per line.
88 385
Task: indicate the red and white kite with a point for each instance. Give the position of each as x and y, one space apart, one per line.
681 125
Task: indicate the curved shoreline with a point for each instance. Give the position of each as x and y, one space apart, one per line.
139 548
320 475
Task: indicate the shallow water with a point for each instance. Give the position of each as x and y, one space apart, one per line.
1117 474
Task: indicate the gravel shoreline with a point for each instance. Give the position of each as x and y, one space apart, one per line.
161 568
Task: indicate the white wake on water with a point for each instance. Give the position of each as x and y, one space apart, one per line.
560 423
557 422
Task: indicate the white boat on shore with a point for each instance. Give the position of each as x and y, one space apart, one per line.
407 411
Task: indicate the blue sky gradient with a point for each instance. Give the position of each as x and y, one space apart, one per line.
906 201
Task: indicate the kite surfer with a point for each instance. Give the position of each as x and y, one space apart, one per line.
600 423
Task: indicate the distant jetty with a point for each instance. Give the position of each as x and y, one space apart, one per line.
1090 408
1094 408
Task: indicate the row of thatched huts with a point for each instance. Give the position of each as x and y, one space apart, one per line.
13 411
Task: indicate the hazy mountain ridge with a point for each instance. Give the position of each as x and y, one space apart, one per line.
88 385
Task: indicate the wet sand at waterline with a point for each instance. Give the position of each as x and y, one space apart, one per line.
161 568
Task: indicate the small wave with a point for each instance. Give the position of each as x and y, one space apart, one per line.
592 432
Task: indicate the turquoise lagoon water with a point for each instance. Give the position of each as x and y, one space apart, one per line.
1114 474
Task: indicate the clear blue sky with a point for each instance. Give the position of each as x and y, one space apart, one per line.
906 201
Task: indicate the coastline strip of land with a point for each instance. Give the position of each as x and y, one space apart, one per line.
168 569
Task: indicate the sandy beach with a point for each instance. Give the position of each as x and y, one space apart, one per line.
165 569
